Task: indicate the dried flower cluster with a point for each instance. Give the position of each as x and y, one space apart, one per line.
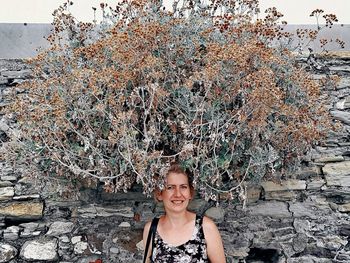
203 84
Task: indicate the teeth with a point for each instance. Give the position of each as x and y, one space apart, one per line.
177 202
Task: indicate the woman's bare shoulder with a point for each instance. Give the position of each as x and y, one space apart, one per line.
145 232
147 226
215 248
208 223
149 223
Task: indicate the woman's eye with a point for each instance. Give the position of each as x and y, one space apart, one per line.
184 187
169 187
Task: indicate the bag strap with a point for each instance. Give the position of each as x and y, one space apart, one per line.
151 235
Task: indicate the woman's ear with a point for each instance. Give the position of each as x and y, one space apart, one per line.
158 196
192 192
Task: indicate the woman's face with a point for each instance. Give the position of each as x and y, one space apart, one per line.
177 192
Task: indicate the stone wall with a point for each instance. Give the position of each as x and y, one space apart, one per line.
302 219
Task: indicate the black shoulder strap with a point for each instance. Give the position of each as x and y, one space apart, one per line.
151 234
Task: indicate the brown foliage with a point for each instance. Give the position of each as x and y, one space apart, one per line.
203 85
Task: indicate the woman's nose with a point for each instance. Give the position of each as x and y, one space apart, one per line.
177 192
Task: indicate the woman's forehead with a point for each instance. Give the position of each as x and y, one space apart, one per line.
176 178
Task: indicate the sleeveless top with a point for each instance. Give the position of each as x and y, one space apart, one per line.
194 250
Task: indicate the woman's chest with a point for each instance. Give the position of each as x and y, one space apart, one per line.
177 236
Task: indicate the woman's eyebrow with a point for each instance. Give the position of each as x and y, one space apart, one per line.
176 184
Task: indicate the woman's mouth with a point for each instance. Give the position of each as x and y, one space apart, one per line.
177 202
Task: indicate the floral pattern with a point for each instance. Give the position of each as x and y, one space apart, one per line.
193 251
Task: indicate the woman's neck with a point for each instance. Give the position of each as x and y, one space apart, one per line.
178 219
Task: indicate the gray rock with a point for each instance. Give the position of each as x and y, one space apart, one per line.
36 233
40 249
81 247
332 242
215 213
284 190
11 233
76 239
315 184
284 185
24 210
344 143
337 174
341 116
194 205
308 172
27 234
9 178
333 151
253 194
283 234
3 126
4 104
63 239
343 68
343 104
301 225
93 211
309 259
124 224
344 208
17 74
29 229
114 250
7 252
139 245
6 193
299 242
309 209
336 192
281 195
26 197
343 83
5 183
7 92
29 226
60 228
3 80
273 209
330 159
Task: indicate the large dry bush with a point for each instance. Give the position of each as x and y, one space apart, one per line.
206 84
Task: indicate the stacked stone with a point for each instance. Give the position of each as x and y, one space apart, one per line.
306 218
302 219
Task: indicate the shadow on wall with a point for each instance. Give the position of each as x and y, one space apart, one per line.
262 255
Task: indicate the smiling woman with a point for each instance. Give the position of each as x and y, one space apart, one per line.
181 236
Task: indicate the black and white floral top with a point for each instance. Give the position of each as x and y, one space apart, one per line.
193 251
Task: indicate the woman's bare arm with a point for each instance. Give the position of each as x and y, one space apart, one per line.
215 247
145 235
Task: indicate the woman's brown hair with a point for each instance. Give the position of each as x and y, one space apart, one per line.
178 169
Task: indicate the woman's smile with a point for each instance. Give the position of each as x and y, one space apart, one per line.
178 202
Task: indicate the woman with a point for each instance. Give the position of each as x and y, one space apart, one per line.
182 236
